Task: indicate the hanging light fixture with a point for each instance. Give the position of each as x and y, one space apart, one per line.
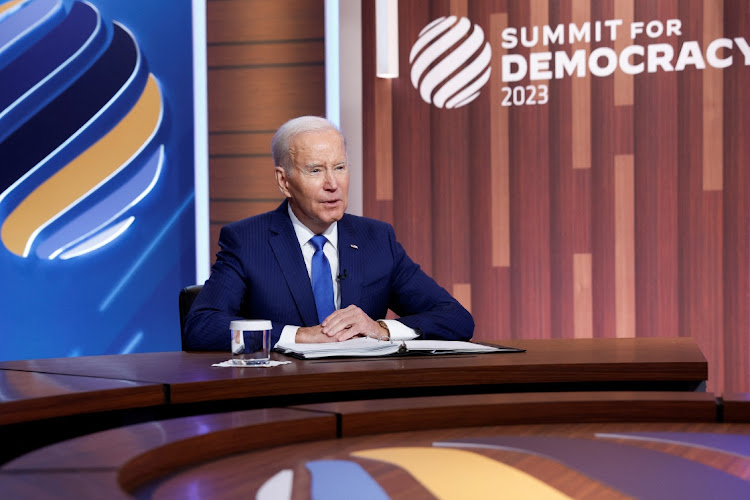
386 38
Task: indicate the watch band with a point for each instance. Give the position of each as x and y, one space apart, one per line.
384 326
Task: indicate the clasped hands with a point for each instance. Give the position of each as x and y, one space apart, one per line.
341 325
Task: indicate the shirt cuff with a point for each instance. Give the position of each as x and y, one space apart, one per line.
288 335
399 331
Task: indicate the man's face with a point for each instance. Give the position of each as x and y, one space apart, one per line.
318 184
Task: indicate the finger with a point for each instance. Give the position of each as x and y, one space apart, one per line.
342 325
337 314
362 326
340 320
346 334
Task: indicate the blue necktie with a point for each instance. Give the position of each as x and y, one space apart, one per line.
321 279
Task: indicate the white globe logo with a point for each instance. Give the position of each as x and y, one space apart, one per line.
435 61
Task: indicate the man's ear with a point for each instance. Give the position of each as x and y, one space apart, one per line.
281 181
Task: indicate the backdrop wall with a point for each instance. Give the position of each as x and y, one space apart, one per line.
597 184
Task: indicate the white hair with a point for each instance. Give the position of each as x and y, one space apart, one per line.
284 137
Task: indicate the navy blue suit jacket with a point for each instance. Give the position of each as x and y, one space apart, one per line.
260 274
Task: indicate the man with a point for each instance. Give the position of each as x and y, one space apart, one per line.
318 274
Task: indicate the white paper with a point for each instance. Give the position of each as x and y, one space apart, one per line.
361 346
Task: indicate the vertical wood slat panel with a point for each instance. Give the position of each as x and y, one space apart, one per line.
561 160
459 8
603 143
700 218
581 149
711 294
374 129
713 98
736 209
570 196
499 153
383 147
462 293
530 222
623 81
582 302
656 189
624 247
412 181
581 116
490 285
451 171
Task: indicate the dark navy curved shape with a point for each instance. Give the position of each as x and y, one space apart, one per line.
58 126
635 471
42 72
342 479
26 26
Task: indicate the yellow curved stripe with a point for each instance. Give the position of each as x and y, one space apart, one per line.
458 474
85 172
9 5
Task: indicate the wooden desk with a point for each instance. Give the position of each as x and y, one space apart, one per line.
551 364
28 396
114 390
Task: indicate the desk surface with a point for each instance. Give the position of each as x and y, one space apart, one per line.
606 362
26 395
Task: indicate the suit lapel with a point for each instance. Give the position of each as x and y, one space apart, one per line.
286 249
350 262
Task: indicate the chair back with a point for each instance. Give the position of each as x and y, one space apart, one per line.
186 299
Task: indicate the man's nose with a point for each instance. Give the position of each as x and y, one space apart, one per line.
331 183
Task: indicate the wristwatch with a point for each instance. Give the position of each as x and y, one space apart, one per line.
384 326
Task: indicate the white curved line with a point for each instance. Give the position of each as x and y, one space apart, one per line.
433 52
278 487
466 75
426 36
451 63
99 241
49 14
122 210
466 101
119 169
456 101
62 66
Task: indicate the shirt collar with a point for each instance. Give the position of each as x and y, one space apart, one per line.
304 234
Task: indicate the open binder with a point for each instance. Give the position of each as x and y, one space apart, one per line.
369 347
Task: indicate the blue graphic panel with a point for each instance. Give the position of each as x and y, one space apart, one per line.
97 224
342 479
